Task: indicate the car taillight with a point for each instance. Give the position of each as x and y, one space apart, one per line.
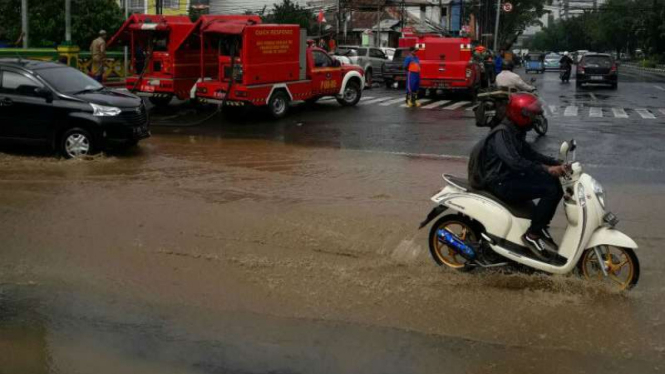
614 68
580 69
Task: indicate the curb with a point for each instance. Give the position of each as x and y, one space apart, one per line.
652 70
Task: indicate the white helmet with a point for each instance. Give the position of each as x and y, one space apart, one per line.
565 53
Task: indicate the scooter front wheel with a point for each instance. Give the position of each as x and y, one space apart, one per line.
442 254
621 264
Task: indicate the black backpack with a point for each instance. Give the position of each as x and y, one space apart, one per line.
476 171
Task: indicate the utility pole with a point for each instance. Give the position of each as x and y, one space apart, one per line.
68 21
158 6
24 23
377 37
496 25
126 50
339 15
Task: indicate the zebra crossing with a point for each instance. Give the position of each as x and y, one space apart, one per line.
565 111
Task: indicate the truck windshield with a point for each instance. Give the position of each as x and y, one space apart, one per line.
69 80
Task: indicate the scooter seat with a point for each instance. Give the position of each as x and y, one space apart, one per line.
519 210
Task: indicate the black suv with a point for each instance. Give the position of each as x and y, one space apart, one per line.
597 68
393 71
51 103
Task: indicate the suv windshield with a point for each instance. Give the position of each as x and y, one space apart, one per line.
69 80
399 53
597 61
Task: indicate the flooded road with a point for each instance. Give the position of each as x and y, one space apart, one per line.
216 254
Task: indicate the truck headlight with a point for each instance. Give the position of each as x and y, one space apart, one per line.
600 193
104 111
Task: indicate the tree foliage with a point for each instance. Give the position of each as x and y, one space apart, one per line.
47 20
525 13
288 12
618 25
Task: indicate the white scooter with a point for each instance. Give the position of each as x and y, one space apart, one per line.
483 231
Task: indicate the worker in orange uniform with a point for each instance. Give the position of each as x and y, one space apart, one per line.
412 66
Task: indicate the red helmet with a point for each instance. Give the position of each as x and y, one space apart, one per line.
523 108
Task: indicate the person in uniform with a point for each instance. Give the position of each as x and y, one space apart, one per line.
98 53
412 67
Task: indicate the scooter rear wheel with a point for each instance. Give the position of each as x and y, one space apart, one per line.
464 228
623 267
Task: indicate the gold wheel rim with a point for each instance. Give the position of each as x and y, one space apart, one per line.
446 254
620 266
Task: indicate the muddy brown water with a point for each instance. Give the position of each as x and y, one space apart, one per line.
210 255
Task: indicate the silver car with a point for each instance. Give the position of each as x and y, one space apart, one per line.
370 59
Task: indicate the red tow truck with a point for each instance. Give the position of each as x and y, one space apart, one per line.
270 65
446 63
161 67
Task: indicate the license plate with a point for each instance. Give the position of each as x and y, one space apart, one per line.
441 85
147 88
220 95
596 78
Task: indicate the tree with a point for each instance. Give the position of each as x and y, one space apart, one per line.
47 20
290 12
524 13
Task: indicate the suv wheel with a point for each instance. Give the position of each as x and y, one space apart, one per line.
368 79
76 143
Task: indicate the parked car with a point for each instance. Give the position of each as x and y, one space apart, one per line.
370 59
393 71
552 61
56 105
597 68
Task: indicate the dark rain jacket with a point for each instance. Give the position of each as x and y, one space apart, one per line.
507 153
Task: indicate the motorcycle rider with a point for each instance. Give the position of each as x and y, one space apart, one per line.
566 63
511 170
511 81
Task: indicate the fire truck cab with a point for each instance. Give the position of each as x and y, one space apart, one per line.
271 65
162 65
446 63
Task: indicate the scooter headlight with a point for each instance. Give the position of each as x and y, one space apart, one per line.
581 195
600 193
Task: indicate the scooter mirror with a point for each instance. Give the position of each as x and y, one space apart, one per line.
563 151
573 145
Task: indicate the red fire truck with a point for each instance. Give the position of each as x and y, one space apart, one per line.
271 65
446 63
163 64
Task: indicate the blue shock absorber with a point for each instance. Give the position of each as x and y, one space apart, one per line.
448 238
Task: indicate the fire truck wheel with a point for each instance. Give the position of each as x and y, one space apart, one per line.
160 101
278 104
352 93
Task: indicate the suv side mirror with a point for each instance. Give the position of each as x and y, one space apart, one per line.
44 92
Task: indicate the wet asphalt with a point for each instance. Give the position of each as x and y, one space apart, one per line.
261 246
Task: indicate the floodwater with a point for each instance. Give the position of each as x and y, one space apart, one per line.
212 255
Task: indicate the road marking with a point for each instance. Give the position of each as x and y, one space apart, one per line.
554 110
593 97
660 88
571 111
472 107
378 100
366 98
595 112
423 101
644 113
436 104
662 111
395 101
457 105
619 113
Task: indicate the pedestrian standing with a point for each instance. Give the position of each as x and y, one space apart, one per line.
98 53
498 63
322 44
332 46
412 67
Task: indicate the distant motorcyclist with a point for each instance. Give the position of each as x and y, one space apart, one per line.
511 81
566 62
505 164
